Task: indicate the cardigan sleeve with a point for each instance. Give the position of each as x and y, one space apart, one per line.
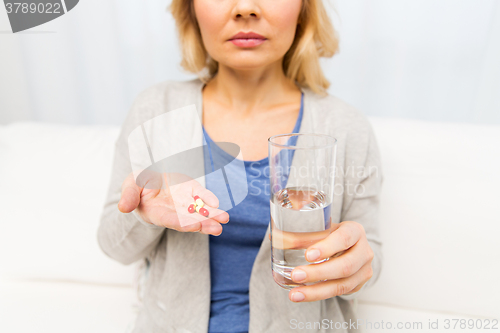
126 237
363 206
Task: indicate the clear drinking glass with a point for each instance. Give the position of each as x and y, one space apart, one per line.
302 173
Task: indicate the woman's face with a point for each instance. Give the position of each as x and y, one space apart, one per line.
220 20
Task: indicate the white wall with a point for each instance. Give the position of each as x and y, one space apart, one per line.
427 59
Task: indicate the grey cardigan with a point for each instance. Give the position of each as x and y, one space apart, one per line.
177 289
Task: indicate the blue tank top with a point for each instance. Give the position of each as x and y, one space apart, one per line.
233 252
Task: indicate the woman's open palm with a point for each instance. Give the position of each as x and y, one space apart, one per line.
166 205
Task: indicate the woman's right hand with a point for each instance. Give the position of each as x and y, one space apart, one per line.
157 204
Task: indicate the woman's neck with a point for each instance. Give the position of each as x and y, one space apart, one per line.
250 90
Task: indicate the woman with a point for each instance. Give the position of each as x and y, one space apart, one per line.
259 75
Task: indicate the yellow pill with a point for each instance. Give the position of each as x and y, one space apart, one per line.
199 203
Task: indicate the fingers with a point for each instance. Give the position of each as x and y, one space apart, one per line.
208 227
211 203
345 236
218 215
343 266
298 240
332 288
214 214
168 207
206 195
192 223
199 223
131 195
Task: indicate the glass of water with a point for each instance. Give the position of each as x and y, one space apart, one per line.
302 174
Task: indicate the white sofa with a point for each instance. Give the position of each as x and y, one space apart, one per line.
440 215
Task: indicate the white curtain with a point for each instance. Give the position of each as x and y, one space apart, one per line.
428 59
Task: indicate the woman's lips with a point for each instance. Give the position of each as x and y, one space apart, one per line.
250 42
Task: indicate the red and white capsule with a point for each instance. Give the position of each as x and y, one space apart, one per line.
203 212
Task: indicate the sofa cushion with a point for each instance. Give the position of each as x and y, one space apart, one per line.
53 183
440 216
61 307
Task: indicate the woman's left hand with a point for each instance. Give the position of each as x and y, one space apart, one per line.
344 274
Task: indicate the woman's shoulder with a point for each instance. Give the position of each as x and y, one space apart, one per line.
332 115
172 89
157 99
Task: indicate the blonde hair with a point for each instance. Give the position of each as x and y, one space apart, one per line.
315 37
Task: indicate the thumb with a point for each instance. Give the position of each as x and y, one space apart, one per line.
131 195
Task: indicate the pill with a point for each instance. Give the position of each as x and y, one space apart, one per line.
196 197
199 202
191 208
203 211
197 208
